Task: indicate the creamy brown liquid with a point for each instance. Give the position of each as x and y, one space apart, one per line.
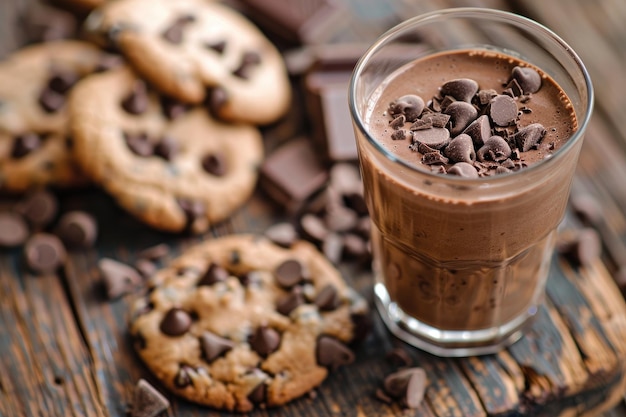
470 258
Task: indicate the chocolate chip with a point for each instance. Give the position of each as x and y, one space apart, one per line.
214 346
174 33
289 273
139 144
290 302
463 169
182 378
528 137
14 229
461 115
264 340
216 98
514 88
584 249
259 394
494 149
462 89
407 384
147 401
503 110
410 105
249 60
51 101
461 149
479 130
214 274
25 144
167 148
485 96
214 164
327 299
528 78
77 229
118 278
176 322
400 134
39 208
434 137
155 252
44 253
193 210
218 46
283 234
62 81
136 102
171 108
399 357
331 353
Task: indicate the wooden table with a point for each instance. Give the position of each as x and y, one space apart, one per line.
64 348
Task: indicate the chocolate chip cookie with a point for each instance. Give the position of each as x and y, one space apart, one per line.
172 166
238 322
199 51
34 86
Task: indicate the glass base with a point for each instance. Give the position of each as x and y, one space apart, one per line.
448 343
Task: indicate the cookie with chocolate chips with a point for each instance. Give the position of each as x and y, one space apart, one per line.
35 83
199 51
238 323
172 166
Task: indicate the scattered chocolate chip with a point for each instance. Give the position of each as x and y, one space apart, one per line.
154 253
398 122
118 278
479 130
139 144
77 229
283 234
290 302
503 110
147 401
39 208
584 249
216 98
409 385
167 148
136 102
214 164
331 353
399 357
461 115
327 299
218 46
214 346
14 229
44 253
289 273
461 149
381 395
108 62
494 149
249 60
176 322
463 169
51 101
62 81
264 340
172 108
528 137
462 89
434 137
528 79
410 105
514 88
25 144
214 274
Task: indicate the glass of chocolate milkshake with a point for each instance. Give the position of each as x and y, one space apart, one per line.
468 123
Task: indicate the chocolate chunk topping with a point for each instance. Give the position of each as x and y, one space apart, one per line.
215 164
167 148
264 341
249 60
214 346
327 298
214 274
136 102
407 384
461 115
479 130
398 122
290 302
62 81
528 79
139 144
51 101
44 253
528 137
147 401
173 109
461 149
77 229
410 105
283 234
14 230
462 89
193 209
434 158
259 394
118 278
494 149
176 322
216 98
39 208
503 110
289 273
463 169
434 137
25 144
218 46
400 134
174 33
331 353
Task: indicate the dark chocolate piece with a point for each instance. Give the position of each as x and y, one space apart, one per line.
435 137
39 208
327 299
51 101
289 273
527 78
214 346
214 164
462 89
14 230
461 149
332 354
136 102
479 130
118 278
139 144
264 340
167 148
528 137
408 385
147 401
283 234
25 144
44 253
77 229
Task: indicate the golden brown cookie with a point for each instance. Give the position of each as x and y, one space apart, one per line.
198 50
34 139
238 322
172 166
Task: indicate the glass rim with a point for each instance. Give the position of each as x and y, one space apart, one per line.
472 12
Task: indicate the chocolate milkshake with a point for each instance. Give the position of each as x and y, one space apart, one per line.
467 156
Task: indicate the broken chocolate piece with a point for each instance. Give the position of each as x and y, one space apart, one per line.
410 106
214 274
327 299
495 149
503 110
528 137
25 144
39 208
479 130
290 302
136 102
409 385
434 137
